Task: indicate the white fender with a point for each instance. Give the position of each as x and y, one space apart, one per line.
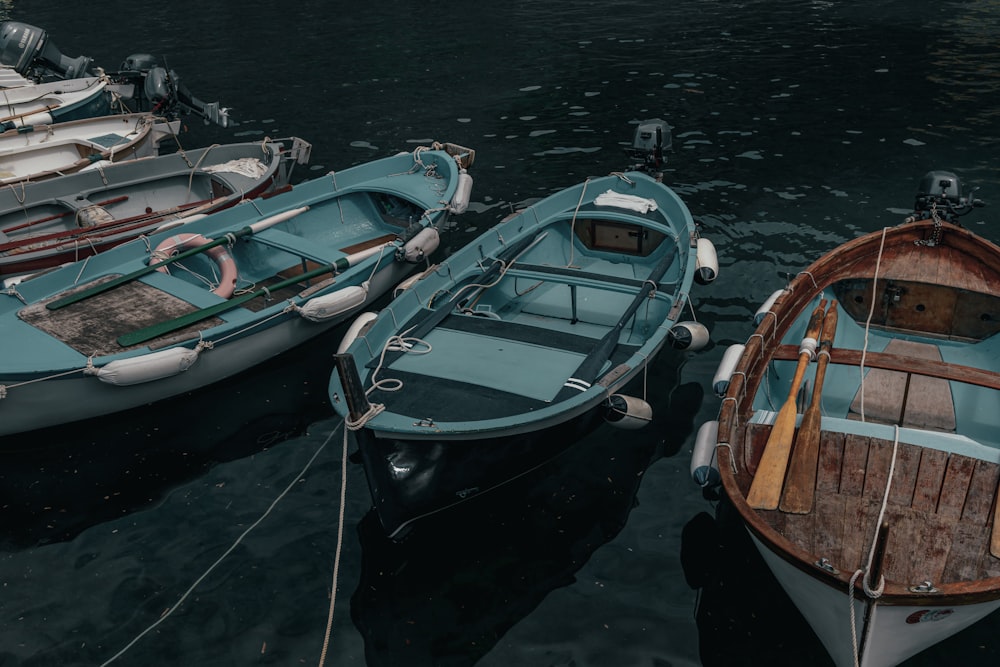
704 466
688 335
146 367
420 246
628 412
706 262
361 324
463 192
765 307
336 303
730 359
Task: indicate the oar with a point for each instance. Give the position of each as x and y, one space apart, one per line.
503 258
56 216
800 486
249 230
162 328
591 365
765 490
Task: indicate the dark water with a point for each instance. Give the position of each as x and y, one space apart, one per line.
798 125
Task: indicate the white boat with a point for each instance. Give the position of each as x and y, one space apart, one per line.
44 151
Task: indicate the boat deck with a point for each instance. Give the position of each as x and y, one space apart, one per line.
938 500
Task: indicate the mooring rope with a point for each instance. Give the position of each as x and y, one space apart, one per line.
872 593
868 322
239 539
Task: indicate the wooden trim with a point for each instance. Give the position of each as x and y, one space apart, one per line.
905 364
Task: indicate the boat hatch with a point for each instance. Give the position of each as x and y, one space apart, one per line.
395 210
618 237
922 308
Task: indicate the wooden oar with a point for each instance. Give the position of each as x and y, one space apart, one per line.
49 218
162 328
765 490
31 243
800 486
249 230
592 364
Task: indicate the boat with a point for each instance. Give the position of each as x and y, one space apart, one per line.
59 220
858 433
54 102
34 69
180 310
500 357
37 152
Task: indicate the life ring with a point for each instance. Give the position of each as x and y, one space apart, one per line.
181 242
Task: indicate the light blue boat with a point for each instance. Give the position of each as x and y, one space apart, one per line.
513 348
186 308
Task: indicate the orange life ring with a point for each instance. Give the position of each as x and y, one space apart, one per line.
181 242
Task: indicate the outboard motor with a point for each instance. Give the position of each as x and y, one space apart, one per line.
26 49
652 138
940 192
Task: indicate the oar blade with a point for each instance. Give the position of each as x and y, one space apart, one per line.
765 490
800 485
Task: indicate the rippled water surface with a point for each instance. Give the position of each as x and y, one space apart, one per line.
797 125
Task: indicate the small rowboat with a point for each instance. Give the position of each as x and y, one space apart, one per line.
54 102
183 309
859 440
65 219
517 345
35 152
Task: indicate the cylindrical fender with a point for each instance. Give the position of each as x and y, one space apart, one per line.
706 262
730 359
146 367
704 466
463 193
628 412
765 307
424 243
181 242
688 335
361 324
322 308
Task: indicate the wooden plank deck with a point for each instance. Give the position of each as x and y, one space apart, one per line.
939 509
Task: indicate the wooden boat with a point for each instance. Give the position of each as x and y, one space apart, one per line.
174 312
883 490
45 151
65 219
504 355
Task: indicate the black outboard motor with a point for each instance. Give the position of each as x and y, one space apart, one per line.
940 192
30 53
652 138
162 90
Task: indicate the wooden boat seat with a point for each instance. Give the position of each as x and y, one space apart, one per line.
939 500
907 399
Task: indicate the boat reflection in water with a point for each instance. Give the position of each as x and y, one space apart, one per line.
449 591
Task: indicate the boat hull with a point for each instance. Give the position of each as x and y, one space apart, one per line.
79 397
854 443
895 633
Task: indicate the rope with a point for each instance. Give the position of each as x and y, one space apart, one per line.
572 224
340 543
868 322
228 551
872 593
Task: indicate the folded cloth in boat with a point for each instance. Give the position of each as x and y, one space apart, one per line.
245 166
631 202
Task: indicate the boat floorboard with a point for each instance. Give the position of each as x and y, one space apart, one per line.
939 508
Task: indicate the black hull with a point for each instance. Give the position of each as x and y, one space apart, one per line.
410 479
